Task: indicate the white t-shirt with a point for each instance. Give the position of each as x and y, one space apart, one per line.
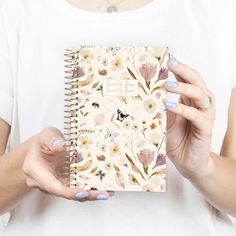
33 37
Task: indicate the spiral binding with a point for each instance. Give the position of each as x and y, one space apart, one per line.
70 117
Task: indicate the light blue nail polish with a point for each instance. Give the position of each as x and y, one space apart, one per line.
56 142
101 197
111 193
81 195
170 105
172 60
171 84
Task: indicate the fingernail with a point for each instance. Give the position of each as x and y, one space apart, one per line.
171 84
57 142
101 197
170 105
172 60
81 195
111 193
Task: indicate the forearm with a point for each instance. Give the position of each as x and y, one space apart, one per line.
12 179
219 185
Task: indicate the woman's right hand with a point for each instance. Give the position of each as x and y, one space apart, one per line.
45 161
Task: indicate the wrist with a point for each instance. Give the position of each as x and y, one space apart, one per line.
205 174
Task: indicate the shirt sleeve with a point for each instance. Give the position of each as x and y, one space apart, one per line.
6 84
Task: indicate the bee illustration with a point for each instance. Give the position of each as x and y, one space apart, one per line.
121 116
95 105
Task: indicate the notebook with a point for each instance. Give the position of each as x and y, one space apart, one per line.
115 117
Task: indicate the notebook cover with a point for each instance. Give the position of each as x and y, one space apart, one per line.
115 117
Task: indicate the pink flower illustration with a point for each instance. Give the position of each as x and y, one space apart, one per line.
148 71
78 72
163 74
145 156
99 119
161 159
77 157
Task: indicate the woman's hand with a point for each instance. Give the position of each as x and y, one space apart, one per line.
189 122
43 167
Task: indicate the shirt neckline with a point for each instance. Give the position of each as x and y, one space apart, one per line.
70 8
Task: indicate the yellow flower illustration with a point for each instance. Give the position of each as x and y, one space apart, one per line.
115 149
147 188
150 105
84 142
126 124
86 56
153 125
116 64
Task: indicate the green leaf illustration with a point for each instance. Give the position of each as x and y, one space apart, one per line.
95 85
94 170
116 167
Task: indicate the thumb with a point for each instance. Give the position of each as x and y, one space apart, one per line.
52 140
57 144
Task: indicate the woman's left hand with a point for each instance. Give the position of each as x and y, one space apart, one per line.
189 122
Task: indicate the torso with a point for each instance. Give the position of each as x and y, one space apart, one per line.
194 35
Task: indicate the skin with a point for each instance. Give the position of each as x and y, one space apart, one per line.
36 162
36 165
101 5
189 140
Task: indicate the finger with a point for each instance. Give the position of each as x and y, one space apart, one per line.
45 180
94 195
97 195
55 187
52 140
190 91
185 72
171 119
43 177
49 183
187 112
